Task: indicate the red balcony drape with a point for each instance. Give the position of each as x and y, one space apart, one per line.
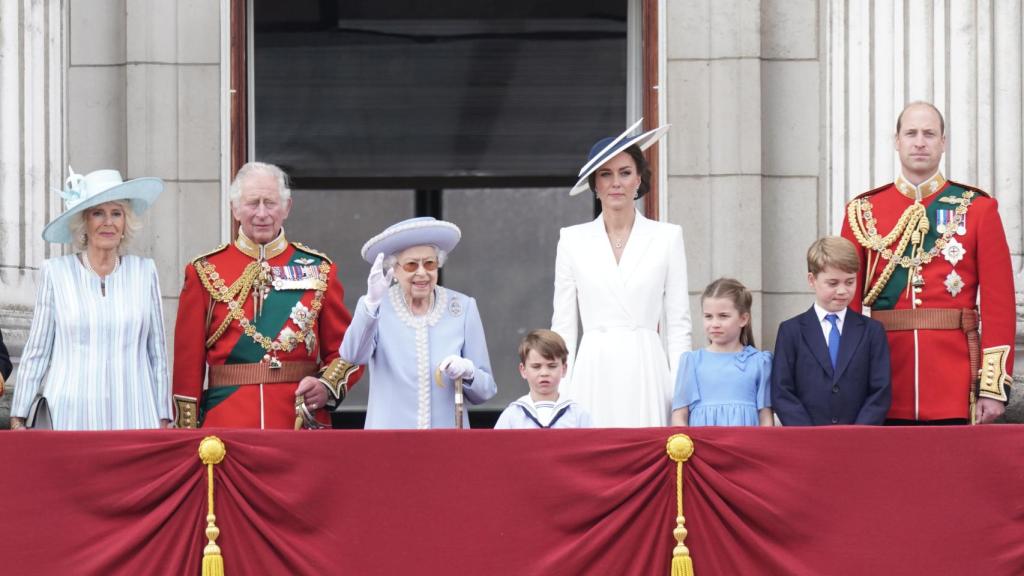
831 501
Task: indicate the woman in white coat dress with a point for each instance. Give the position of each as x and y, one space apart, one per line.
623 276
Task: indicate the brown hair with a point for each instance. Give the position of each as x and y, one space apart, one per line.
740 297
642 167
834 251
546 342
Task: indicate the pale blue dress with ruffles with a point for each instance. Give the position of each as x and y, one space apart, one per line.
724 388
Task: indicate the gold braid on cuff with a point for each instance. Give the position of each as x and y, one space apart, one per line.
994 382
186 411
335 377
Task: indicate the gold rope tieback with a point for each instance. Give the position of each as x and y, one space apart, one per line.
211 451
679 449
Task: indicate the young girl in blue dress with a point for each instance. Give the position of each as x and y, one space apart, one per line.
727 382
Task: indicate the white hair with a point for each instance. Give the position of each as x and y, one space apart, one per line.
254 168
391 260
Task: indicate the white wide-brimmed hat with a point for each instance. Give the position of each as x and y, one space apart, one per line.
83 192
412 232
606 148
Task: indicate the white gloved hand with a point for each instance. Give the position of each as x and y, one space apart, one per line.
455 367
377 284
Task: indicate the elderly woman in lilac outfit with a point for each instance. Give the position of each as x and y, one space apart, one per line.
418 338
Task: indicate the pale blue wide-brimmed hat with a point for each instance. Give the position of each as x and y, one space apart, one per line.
100 186
412 232
606 148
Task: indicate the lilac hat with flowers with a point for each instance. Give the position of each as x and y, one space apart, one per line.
606 148
425 231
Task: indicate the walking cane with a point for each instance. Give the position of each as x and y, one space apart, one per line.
458 403
458 396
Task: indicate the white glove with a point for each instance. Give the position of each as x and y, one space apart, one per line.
455 367
377 284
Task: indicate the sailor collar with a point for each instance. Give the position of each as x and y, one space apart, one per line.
261 251
923 190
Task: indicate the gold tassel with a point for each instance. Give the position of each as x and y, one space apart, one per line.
211 451
680 448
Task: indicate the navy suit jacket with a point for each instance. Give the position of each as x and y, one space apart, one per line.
806 390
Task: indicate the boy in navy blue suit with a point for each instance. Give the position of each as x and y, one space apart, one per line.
831 364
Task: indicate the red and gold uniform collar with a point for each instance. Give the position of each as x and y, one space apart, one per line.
922 191
269 250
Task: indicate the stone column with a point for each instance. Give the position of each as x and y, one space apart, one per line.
173 131
792 214
715 176
31 157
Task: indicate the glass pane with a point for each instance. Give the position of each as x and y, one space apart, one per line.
405 88
507 263
338 223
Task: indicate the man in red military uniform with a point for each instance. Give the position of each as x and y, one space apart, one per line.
929 247
260 321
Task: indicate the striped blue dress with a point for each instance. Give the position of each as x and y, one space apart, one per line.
100 360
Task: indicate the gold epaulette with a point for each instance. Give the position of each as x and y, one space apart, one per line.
994 382
335 377
186 411
873 191
309 250
220 248
978 191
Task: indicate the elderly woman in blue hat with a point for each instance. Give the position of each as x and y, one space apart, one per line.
624 277
96 352
417 337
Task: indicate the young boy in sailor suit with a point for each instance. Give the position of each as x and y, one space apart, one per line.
542 363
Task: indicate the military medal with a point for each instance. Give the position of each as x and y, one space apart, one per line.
961 228
953 251
296 278
942 219
954 283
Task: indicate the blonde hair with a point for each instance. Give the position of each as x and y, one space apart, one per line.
78 226
547 343
832 251
736 292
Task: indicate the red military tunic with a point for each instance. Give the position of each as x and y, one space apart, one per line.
301 324
931 370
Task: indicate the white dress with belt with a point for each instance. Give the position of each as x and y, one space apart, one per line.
623 371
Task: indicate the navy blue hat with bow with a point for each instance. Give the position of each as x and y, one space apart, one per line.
607 148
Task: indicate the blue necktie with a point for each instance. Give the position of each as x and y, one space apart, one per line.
833 339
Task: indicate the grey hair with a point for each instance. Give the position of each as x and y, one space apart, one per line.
391 260
254 168
77 225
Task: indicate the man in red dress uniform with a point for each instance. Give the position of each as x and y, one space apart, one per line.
929 247
260 321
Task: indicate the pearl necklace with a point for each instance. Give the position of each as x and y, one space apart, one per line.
103 279
88 265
